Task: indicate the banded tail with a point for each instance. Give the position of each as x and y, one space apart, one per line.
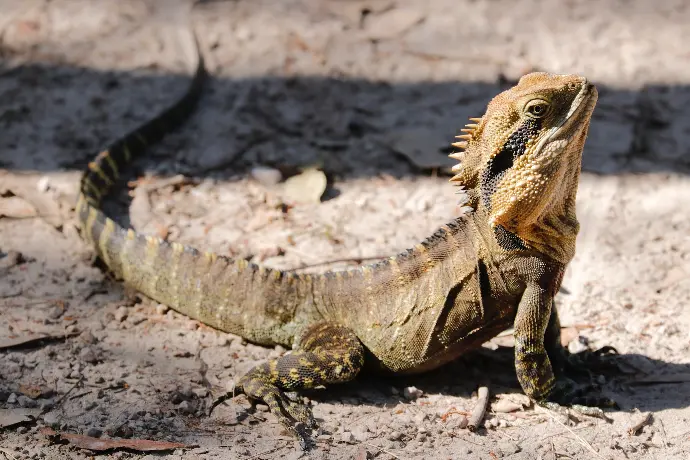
231 295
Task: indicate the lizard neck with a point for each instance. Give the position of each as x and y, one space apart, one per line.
555 231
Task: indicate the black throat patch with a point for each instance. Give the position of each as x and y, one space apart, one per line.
501 163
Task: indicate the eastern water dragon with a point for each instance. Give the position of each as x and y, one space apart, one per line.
497 266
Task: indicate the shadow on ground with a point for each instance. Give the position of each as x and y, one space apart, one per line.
59 117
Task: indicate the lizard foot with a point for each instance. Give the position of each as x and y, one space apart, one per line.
326 353
584 399
295 416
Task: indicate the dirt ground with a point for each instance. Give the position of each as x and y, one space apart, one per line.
372 92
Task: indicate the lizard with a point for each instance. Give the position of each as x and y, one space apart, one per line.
497 265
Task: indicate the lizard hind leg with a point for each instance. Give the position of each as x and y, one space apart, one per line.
326 353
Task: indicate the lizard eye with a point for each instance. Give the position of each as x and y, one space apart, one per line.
537 108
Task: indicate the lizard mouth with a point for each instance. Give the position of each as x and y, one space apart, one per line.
582 107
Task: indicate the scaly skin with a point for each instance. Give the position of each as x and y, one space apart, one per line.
497 266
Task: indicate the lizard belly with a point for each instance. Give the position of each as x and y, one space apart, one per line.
437 342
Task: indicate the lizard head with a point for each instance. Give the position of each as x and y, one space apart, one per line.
521 160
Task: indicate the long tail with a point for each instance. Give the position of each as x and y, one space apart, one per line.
231 295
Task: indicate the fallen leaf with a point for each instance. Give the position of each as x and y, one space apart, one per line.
15 207
98 444
307 187
505 406
32 391
422 147
44 205
568 334
11 417
30 339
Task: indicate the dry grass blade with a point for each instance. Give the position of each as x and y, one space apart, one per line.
579 438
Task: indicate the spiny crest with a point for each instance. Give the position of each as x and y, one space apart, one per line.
469 131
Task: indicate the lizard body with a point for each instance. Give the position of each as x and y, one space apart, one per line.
498 265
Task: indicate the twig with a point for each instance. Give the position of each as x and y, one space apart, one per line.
7 455
382 449
269 451
62 398
584 443
479 410
645 420
80 395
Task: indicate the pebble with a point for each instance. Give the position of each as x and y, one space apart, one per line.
577 346
347 437
99 379
87 354
88 405
121 314
88 338
94 432
12 399
47 404
26 401
125 432
361 433
22 430
412 393
200 392
395 436
266 176
43 184
185 407
51 418
162 309
508 448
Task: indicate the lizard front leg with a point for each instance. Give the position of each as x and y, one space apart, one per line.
536 321
326 353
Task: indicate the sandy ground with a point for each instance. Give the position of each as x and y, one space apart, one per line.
359 88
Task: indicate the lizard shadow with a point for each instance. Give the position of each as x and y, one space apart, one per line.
637 382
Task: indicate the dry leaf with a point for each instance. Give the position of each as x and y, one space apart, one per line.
505 406
307 187
568 334
29 339
15 207
96 444
422 147
36 391
11 417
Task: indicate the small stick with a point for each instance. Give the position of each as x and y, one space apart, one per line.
646 420
479 411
